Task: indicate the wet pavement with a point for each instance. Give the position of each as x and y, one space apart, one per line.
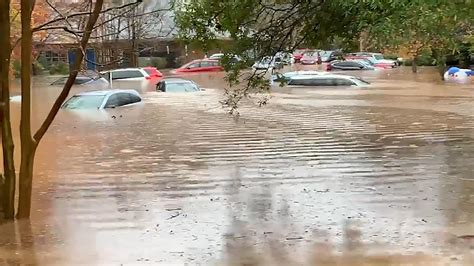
318 176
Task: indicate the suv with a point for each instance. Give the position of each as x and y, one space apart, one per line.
349 65
126 74
326 80
376 58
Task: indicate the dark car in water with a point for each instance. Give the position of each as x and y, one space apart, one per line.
349 65
176 85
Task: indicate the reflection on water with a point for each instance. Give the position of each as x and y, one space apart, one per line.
316 174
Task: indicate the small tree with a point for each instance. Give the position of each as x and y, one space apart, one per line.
425 24
29 141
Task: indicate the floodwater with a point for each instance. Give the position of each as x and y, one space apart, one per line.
376 176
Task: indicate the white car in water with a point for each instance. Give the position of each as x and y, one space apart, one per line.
132 75
327 80
103 99
288 75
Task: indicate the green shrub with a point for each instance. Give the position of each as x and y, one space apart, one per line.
159 62
391 57
408 62
38 68
16 68
425 59
61 68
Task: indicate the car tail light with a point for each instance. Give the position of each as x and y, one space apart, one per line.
329 67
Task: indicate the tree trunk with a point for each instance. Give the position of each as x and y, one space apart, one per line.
414 67
27 143
440 62
7 199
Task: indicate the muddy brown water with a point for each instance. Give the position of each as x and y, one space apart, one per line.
315 175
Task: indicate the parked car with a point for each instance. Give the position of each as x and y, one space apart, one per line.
153 72
82 80
310 58
298 54
268 62
349 65
376 58
103 99
200 65
328 56
326 80
216 56
220 56
285 58
288 75
177 85
137 76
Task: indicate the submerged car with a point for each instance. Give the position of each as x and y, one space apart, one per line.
288 75
200 65
349 65
268 62
177 85
103 99
376 58
326 80
82 80
329 56
126 74
298 54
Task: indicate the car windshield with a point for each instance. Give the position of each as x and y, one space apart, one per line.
378 56
181 87
311 53
84 102
325 53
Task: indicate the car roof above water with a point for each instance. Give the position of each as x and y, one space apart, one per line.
176 80
322 76
105 92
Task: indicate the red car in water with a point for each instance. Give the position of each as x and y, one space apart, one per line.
153 72
298 54
200 65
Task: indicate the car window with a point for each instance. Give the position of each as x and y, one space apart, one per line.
134 98
194 65
378 56
206 64
342 64
121 99
84 102
113 101
160 86
124 98
123 74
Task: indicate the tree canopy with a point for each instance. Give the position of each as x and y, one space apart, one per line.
266 27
